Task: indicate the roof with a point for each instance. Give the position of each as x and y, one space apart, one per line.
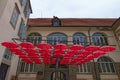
70 22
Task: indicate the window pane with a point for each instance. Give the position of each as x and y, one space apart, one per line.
79 38
7 55
22 30
106 65
57 38
14 17
99 39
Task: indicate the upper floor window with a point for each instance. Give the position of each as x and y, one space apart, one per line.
23 2
56 38
14 17
27 10
106 65
34 38
84 68
79 38
22 30
56 21
7 55
99 39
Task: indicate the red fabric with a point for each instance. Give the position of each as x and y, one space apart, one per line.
107 48
27 45
9 44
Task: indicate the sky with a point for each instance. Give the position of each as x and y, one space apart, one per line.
75 8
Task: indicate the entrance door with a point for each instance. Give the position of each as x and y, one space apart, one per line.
61 76
3 71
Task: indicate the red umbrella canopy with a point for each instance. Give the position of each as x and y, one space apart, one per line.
107 48
44 46
31 51
9 44
27 45
76 47
61 47
17 51
96 54
92 48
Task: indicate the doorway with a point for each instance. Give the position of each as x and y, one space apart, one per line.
61 76
3 71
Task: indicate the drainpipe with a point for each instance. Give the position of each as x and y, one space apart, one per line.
94 65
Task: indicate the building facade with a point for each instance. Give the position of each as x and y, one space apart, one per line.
70 31
13 18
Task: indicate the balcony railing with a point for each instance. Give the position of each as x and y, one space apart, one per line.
82 40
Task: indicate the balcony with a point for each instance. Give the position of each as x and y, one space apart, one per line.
81 40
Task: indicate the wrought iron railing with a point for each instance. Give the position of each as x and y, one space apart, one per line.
82 40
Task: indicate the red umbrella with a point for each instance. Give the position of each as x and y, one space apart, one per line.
84 52
27 45
31 51
58 53
60 47
17 51
108 48
37 60
24 56
27 60
44 46
54 61
96 54
9 44
92 48
76 47
34 55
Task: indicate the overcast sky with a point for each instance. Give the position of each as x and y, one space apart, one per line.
75 8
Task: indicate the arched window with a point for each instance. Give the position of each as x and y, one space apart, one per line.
106 65
61 76
79 38
34 38
57 38
84 68
99 39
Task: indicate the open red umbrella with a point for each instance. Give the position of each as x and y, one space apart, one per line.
17 51
92 48
27 45
97 54
9 44
76 47
84 52
107 48
27 60
44 46
60 47
58 53
31 51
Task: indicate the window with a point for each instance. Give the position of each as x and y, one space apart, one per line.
27 10
22 30
84 68
56 38
14 17
34 38
106 65
99 39
79 38
24 67
23 2
56 21
7 55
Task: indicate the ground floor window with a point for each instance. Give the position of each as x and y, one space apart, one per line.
84 68
106 65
